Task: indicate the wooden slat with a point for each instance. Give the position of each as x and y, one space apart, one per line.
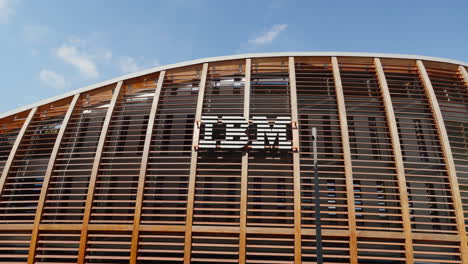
45 184
143 167
436 252
428 182
328 232
271 179
193 167
347 161
396 235
271 247
447 151
245 168
14 246
18 139
57 248
435 237
16 227
104 227
400 170
108 247
296 162
94 172
162 228
166 248
66 197
224 229
55 227
223 96
222 248
464 73
216 229
318 108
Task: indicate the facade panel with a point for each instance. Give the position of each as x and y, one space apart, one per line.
214 162
429 192
68 188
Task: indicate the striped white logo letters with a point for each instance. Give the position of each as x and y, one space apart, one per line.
232 132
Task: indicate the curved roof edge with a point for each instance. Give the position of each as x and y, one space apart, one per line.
226 58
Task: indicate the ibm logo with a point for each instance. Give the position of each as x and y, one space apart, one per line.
234 132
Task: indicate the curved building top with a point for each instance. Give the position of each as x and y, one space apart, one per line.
227 58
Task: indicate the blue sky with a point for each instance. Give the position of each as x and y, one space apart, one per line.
50 47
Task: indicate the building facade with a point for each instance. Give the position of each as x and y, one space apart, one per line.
214 161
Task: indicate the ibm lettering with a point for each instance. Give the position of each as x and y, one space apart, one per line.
235 132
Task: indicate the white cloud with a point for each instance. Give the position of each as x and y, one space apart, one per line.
128 65
53 79
85 54
91 44
269 36
78 59
6 10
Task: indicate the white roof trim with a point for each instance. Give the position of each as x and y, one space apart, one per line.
225 58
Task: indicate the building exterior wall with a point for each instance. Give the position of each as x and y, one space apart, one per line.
117 174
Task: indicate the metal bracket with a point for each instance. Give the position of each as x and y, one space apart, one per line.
294 125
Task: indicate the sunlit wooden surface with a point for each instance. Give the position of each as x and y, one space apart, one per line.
115 175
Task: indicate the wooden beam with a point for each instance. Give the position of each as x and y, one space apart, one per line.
231 230
326 232
436 237
449 163
48 174
17 227
143 168
464 74
248 74
296 163
245 169
107 227
270 230
15 147
397 154
217 229
94 173
347 161
193 167
58 227
162 228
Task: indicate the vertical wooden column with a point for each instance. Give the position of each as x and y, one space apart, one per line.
94 173
193 167
397 154
296 163
449 163
48 174
245 169
143 168
14 149
464 73
347 161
